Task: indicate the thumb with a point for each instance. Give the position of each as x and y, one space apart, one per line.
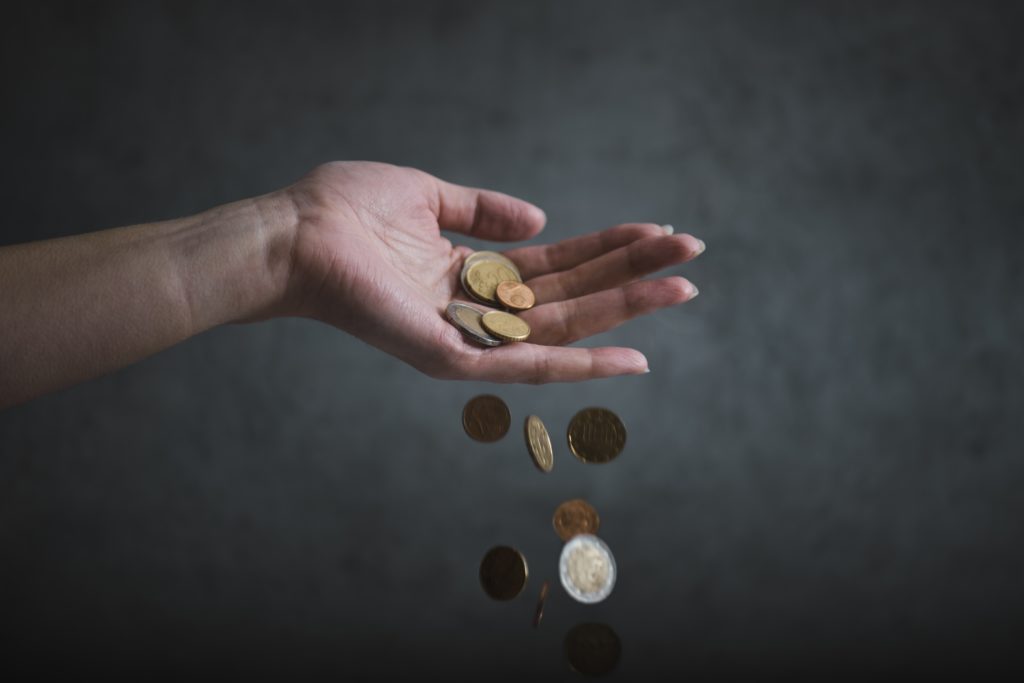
486 214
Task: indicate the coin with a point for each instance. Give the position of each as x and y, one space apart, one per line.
575 517
515 295
503 572
587 569
592 649
484 255
596 435
539 443
505 326
467 319
483 277
486 418
539 613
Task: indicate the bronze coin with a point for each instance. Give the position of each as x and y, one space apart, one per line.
486 418
515 295
538 443
596 435
574 517
592 649
539 613
503 572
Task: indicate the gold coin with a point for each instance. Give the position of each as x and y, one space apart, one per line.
592 649
574 517
596 435
483 277
503 572
505 326
486 418
491 256
539 613
515 295
539 443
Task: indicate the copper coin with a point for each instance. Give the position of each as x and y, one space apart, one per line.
596 435
574 517
592 649
503 572
486 418
515 295
539 614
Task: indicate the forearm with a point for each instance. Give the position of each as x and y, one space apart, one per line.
77 307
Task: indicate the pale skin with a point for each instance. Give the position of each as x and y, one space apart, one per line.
357 245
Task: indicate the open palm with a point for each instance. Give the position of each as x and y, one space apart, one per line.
369 258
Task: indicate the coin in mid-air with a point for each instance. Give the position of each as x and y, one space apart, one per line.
505 326
486 418
596 435
575 517
587 569
503 572
515 295
539 613
483 277
485 255
592 649
539 443
467 319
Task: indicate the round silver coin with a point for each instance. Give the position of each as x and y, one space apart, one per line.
587 569
467 319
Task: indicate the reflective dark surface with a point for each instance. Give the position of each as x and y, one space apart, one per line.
823 472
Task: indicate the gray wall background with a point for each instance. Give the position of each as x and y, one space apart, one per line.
823 475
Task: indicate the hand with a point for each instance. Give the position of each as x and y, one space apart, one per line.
369 258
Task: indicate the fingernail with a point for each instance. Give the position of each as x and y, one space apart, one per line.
646 371
695 292
668 229
702 246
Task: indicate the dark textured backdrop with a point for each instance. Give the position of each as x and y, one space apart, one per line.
824 473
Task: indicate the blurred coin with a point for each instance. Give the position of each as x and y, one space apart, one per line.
515 295
467 319
575 517
491 256
592 649
596 435
503 572
486 418
587 569
505 326
483 277
539 443
539 614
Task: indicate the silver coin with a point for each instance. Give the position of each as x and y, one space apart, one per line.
467 319
587 569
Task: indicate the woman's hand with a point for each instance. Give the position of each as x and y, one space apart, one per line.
368 257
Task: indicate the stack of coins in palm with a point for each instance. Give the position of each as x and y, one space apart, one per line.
586 565
493 280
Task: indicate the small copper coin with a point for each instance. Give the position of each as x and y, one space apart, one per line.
515 295
486 418
592 649
574 517
503 572
596 435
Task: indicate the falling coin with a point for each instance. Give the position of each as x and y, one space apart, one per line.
515 295
467 319
486 418
587 569
483 277
575 517
503 572
596 435
539 444
539 614
592 649
505 326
